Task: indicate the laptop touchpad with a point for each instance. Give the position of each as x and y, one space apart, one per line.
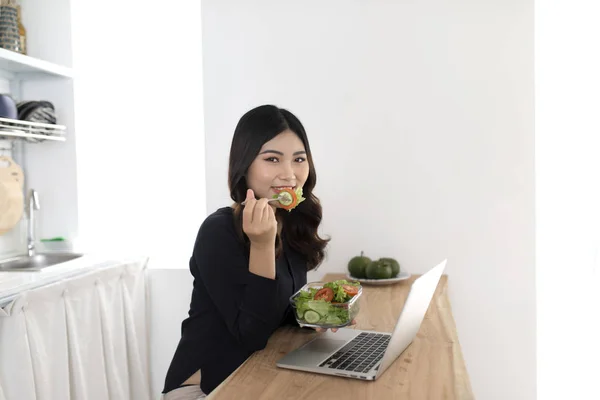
324 345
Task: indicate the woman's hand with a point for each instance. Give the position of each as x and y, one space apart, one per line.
333 329
259 222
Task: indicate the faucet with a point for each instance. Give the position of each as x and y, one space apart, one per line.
34 204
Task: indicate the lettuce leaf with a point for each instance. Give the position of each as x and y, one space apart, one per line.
299 195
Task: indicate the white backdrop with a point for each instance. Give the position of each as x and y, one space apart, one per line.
421 120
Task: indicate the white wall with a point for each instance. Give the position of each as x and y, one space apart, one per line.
568 198
420 116
170 295
51 167
139 118
140 146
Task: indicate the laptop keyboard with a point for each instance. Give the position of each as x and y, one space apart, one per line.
360 354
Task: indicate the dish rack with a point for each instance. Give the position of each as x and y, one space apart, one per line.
33 132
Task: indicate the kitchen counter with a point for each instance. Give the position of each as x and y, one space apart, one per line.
432 367
15 282
76 330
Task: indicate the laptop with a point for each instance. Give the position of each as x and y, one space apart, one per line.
358 354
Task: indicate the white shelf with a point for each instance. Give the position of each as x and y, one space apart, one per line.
20 64
35 132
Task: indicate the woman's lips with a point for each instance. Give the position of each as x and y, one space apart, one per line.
278 189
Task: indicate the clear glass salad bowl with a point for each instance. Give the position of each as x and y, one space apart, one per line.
327 304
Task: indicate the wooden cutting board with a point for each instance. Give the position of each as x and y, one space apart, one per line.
11 205
11 194
9 169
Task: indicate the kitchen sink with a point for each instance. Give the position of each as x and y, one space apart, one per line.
36 262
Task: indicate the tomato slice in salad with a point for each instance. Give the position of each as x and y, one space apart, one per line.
351 290
324 294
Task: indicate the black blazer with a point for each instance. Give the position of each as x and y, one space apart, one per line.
232 312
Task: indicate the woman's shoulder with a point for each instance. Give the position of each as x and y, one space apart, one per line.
218 225
218 240
221 215
221 218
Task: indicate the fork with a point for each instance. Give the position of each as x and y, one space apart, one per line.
276 199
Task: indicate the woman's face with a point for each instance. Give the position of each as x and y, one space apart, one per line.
281 163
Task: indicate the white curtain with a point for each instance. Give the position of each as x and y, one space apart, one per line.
82 338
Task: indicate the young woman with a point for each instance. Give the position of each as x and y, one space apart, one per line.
249 259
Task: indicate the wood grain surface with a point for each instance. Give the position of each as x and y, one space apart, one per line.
431 368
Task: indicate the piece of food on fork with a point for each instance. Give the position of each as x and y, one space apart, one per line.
287 198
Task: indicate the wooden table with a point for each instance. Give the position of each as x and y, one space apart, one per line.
432 367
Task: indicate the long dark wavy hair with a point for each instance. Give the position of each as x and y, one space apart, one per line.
300 226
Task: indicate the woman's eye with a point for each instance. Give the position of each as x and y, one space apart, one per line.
300 159
271 159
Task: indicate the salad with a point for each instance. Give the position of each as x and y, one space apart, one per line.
328 305
289 198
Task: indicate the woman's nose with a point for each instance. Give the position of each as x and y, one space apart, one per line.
287 172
